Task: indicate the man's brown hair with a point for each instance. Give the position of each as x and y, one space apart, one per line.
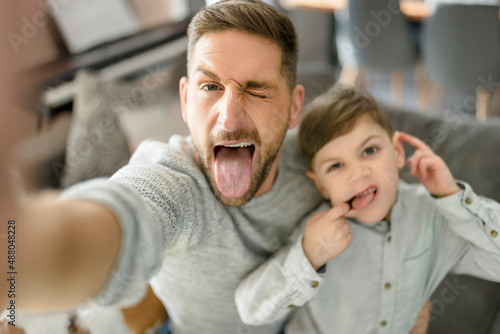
254 17
333 114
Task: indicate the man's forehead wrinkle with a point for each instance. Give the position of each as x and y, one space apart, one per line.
212 75
205 51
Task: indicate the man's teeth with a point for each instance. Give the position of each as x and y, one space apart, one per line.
244 144
371 190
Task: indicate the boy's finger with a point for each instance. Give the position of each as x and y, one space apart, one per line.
414 162
428 164
317 216
346 228
338 211
415 142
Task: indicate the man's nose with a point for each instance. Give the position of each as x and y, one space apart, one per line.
359 172
231 113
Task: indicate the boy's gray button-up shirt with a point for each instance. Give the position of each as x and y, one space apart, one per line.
382 280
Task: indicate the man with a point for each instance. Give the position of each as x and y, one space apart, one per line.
198 212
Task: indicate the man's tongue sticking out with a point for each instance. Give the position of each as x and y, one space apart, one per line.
233 171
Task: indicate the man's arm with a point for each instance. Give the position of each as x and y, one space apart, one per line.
66 251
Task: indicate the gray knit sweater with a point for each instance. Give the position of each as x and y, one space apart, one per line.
194 249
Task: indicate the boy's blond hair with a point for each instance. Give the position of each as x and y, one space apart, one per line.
333 114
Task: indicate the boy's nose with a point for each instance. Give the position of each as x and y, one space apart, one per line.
231 114
359 172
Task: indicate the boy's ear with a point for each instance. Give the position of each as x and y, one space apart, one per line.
311 175
400 151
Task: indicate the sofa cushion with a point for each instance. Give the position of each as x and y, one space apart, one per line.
96 145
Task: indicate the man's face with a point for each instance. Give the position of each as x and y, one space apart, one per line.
238 108
360 168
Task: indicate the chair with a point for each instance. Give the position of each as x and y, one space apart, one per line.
461 51
374 35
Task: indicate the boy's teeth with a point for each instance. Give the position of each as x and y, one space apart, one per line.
371 190
244 144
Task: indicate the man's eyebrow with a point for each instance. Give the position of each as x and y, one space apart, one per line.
207 72
252 84
256 84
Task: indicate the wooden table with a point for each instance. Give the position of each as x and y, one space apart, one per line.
414 10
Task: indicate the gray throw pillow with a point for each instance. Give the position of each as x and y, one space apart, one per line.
96 145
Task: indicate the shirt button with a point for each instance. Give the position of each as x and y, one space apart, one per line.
494 233
383 323
314 284
468 200
387 286
389 239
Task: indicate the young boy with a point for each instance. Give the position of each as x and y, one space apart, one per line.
387 244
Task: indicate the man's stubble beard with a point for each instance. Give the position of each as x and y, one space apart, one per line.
263 166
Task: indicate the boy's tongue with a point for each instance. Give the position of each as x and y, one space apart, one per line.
233 169
362 201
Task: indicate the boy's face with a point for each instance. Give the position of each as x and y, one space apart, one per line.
360 168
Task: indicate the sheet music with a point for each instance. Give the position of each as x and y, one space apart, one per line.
87 23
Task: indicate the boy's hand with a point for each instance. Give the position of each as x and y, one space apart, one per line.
430 169
327 235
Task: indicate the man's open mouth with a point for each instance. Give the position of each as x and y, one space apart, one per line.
362 199
233 168
246 145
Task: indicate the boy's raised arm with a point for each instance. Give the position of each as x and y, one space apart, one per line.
474 219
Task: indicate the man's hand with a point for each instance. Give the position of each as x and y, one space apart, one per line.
73 327
5 328
430 169
327 235
146 314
